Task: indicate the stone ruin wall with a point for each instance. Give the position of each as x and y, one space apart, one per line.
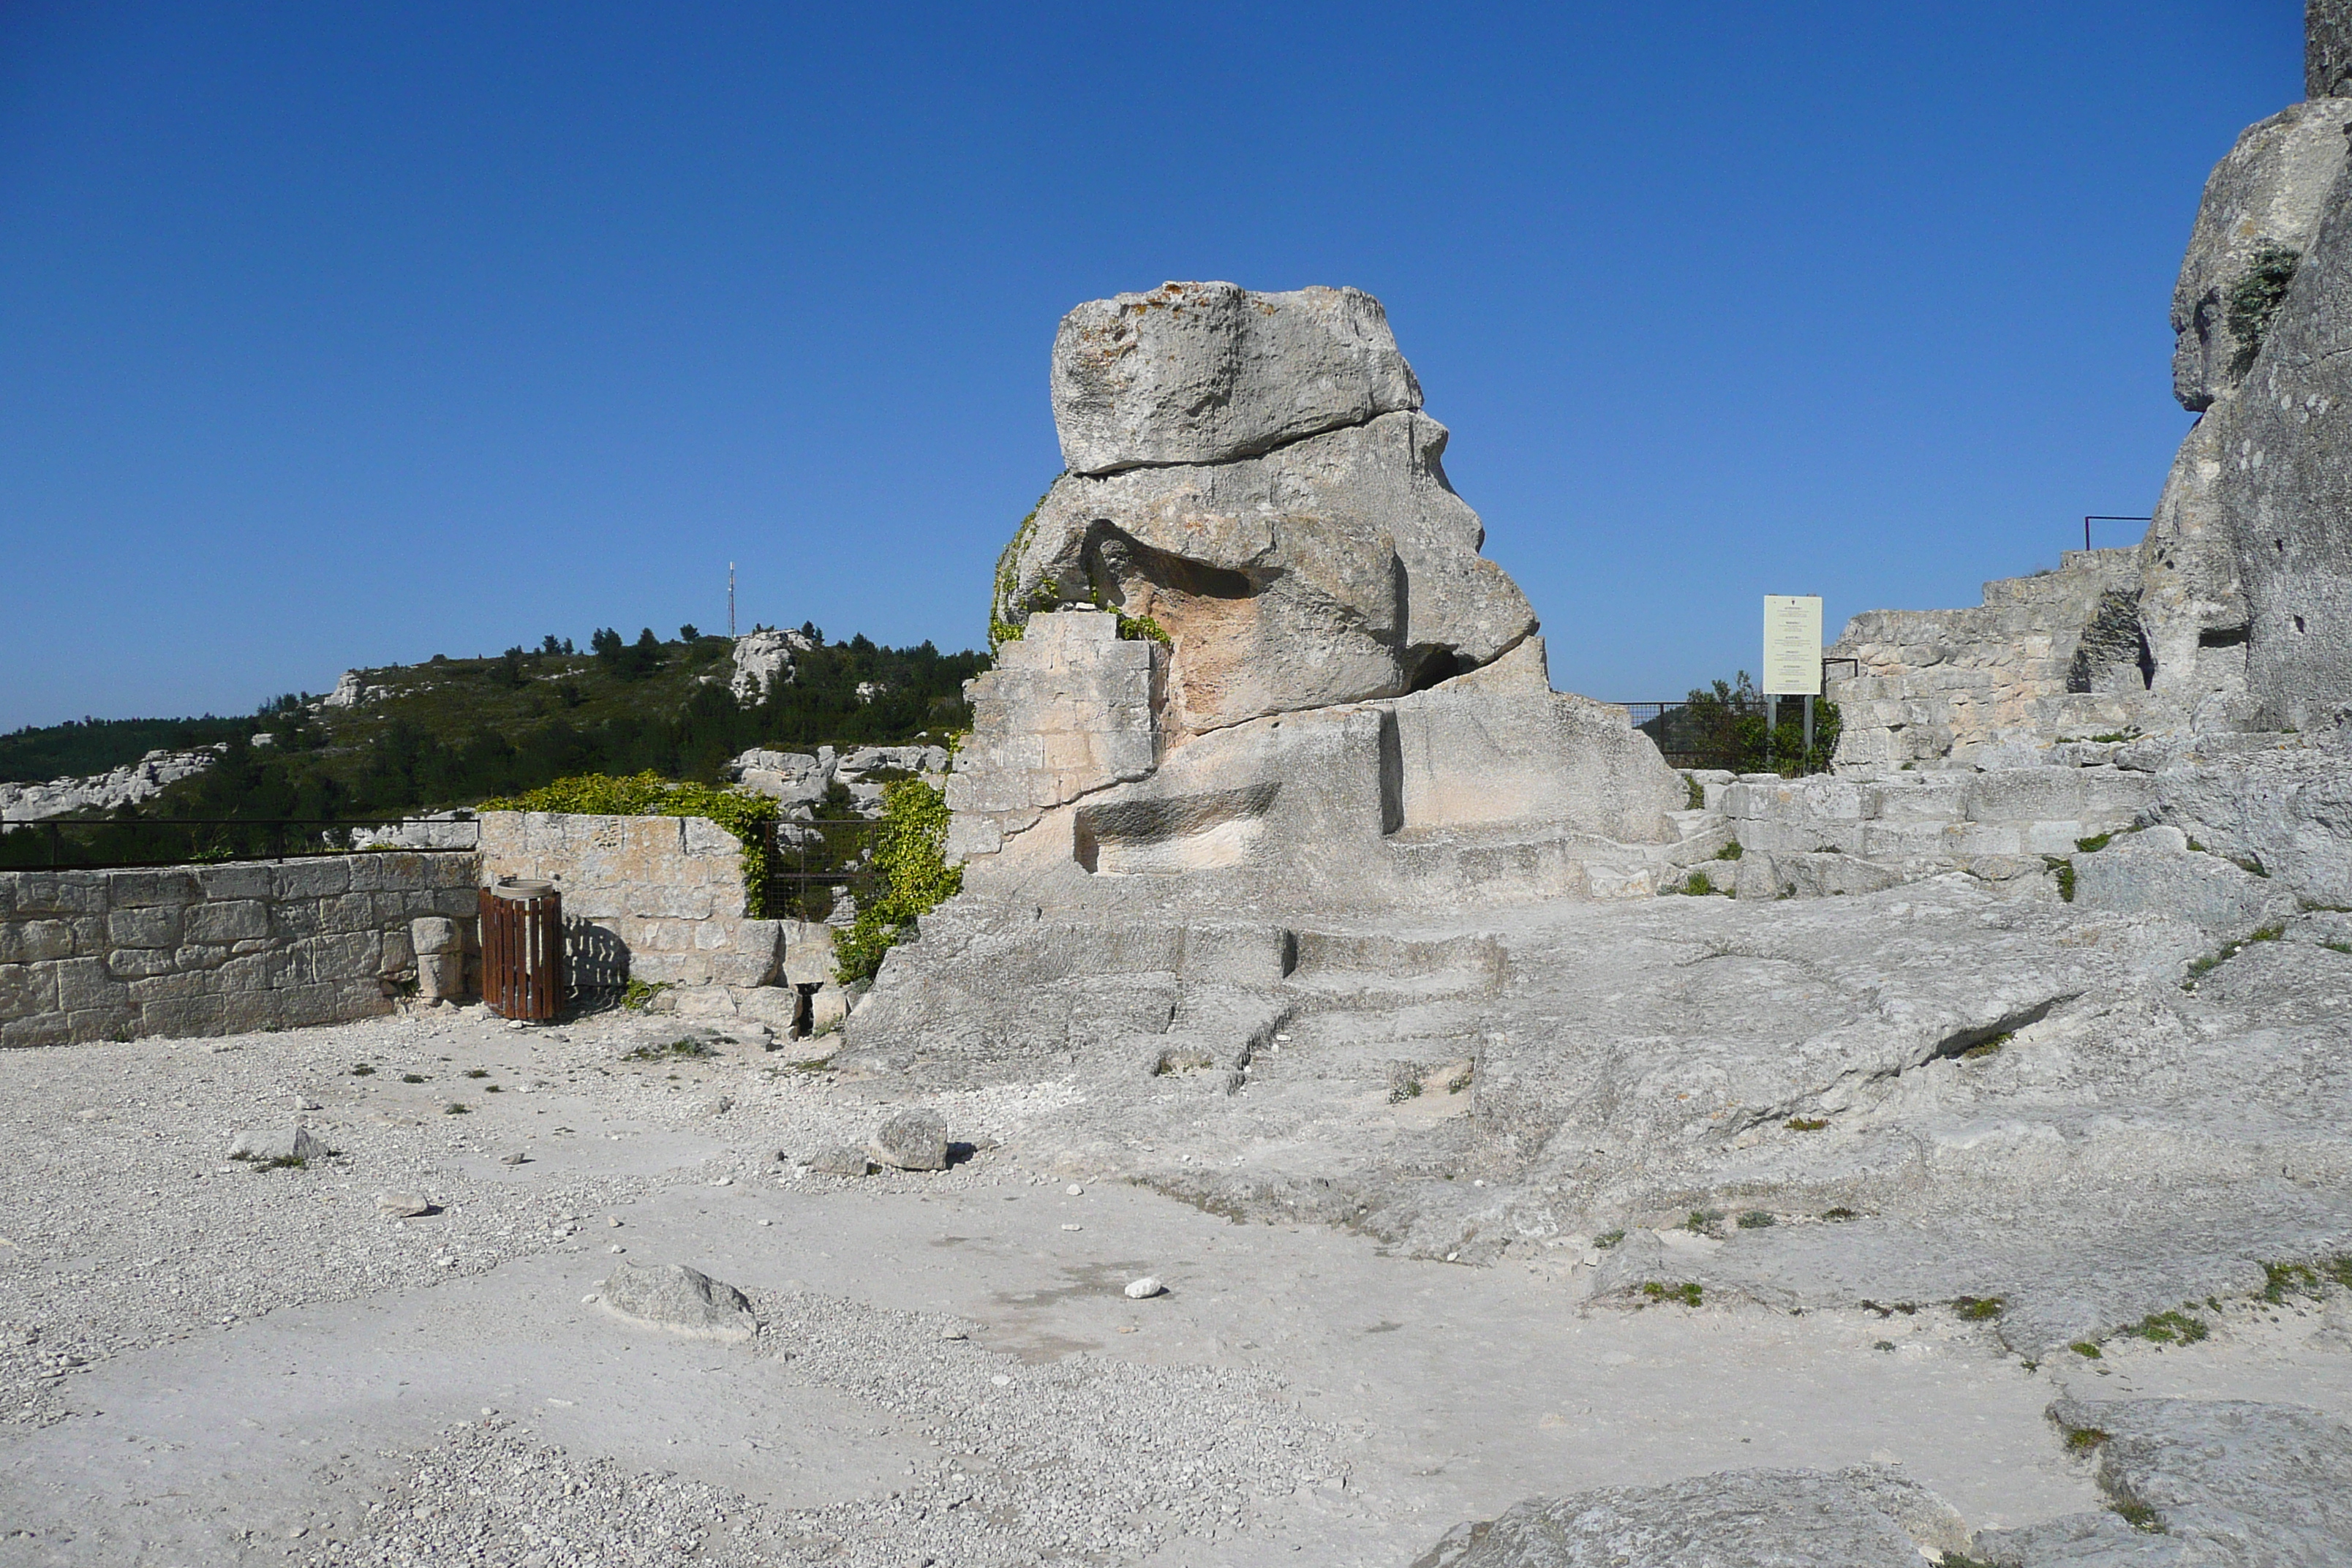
215 950
2060 655
658 899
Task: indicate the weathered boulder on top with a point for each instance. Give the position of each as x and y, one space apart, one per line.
1334 569
1203 372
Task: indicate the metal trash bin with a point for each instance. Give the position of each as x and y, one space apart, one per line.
522 948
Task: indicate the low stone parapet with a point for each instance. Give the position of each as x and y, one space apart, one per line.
104 954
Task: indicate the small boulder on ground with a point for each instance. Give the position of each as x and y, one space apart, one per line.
842 1162
402 1205
286 1144
682 1301
913 1141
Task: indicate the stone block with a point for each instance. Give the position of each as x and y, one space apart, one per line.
250 974
202 958
137 889
83 983
452 870
461 903
45 1029
227 921
246 879
1973 838
321 878
36 940
2026 795
183 1018
1238 954
387 870
250 1012
152 925
2052 837
1907 841
93 1025
28 990
1917 797
349 912
134 963
169 988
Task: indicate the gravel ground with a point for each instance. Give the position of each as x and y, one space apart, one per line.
211 1362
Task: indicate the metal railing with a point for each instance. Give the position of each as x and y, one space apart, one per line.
807 861
1687 739
65 843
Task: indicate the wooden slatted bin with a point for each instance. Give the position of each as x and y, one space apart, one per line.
522 949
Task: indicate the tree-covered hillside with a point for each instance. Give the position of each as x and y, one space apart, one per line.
83 746
452 732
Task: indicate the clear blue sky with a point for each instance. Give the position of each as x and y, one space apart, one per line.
339 335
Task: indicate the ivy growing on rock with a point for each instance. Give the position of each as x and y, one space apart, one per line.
911 877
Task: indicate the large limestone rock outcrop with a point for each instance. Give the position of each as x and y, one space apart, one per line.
1251 627
1251 472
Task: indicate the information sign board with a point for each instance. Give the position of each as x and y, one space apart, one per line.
1792 645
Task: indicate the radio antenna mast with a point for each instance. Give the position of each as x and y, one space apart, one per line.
730 600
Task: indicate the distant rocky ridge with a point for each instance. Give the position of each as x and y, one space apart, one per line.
125 786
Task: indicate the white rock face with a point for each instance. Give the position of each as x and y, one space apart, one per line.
763 660
125 786
1203 372
350 691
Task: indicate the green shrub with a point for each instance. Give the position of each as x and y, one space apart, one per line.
2255 298
1142 628
1685 1291
911 877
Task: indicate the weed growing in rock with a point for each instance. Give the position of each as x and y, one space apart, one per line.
1142 628
2138 1515
2281 1277
1840 1216
1979 1309
414 1077
2200 968
2169 1329
1702 1220
1756 1219
1988 1047
2083 1439
457 1108
1805 1123
1608 1239
478 1072
1882 1345
2337 946
1693 793
1684 1290
1731 852
2255 298
686 1045
2094 843
362 1071
2065 870
275 1163
2086 1348
912 877
638 995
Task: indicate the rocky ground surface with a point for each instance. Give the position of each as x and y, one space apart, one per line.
216 1360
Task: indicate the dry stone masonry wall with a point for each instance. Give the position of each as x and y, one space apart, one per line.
214 950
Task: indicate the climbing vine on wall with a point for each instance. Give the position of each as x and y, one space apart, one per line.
911 877
750 818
